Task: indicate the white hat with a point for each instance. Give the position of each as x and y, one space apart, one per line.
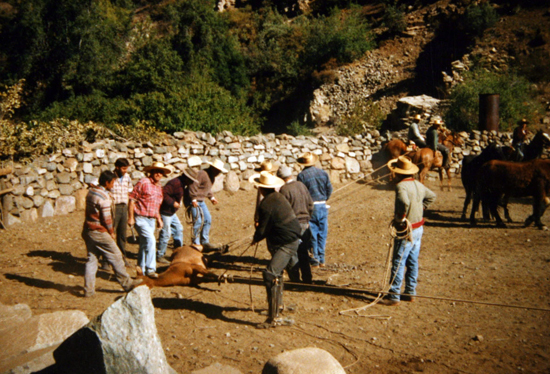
158 166
218 164
266 180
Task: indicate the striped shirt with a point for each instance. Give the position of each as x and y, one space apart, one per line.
122 187
317 183
147 197
98 210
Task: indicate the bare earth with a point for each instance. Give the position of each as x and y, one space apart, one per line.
42 265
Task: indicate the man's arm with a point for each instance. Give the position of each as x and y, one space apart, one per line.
131 219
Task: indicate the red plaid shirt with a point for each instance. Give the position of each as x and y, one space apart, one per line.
122 187
147 197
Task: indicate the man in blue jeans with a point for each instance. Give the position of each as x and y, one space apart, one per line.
172 194
199 191
411 198
278 224
320 189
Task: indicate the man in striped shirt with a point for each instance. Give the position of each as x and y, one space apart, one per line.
98 234
122 187
144 212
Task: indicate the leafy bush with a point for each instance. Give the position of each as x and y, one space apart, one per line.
362 115
296 128
394 19
477 19
516 100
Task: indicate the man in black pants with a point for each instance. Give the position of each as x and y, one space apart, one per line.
299 198
277 224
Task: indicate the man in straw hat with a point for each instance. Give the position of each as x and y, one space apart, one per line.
414 132
320 189
280 227
197 192
144 212
411 198
271 167
432 141
172 198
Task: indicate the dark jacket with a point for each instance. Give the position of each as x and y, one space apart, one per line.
277 221
432 138
172 192
299 198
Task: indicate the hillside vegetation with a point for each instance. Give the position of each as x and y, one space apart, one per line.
176 65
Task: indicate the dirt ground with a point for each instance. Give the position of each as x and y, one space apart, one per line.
42 265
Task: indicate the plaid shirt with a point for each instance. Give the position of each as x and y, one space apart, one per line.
123 186
317 183
148 197
98 211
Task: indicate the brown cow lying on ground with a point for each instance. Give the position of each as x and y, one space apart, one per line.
496 179
187 267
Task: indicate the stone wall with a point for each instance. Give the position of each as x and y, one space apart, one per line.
57 184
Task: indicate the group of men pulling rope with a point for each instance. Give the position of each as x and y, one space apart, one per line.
291 214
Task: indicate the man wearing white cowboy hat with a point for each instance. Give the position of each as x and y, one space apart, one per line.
196 193
144 212
172 195
414 132
320 189
432 141
281 229
411 198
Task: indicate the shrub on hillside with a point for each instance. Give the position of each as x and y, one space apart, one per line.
363 114
394 19
516 100
477 19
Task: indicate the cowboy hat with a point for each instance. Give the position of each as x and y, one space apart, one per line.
267 165
418 117
523 120
191 174
218 164
403 165
158 166
308 159
266 180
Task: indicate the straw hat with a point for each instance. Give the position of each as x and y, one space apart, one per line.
522 121
266 180
268 165
308 159
191 174
218 164
418 117
403 165
158 166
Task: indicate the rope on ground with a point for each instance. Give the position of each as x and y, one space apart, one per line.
394 234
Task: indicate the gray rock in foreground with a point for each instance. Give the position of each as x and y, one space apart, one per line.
303 361
123 339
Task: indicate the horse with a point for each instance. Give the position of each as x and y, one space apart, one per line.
471 164
496 179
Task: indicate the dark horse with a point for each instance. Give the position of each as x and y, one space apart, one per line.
471 165
518 179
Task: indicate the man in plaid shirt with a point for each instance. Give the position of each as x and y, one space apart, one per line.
122 187
144 212
98 234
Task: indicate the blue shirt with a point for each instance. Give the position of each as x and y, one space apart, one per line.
317 182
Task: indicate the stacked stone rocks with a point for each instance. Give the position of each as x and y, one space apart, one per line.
57 184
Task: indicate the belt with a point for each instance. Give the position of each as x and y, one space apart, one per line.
319 202
121 204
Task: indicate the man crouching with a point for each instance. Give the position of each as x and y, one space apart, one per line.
278 224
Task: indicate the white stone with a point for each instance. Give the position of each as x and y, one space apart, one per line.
100 153
304 361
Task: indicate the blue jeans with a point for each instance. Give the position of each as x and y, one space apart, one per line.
201 236
147 254
405 253
318 225
172 227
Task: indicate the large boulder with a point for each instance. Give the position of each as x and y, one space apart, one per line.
304 361
28 341
123 339
232 183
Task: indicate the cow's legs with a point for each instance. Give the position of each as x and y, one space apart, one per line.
493 207
466 203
